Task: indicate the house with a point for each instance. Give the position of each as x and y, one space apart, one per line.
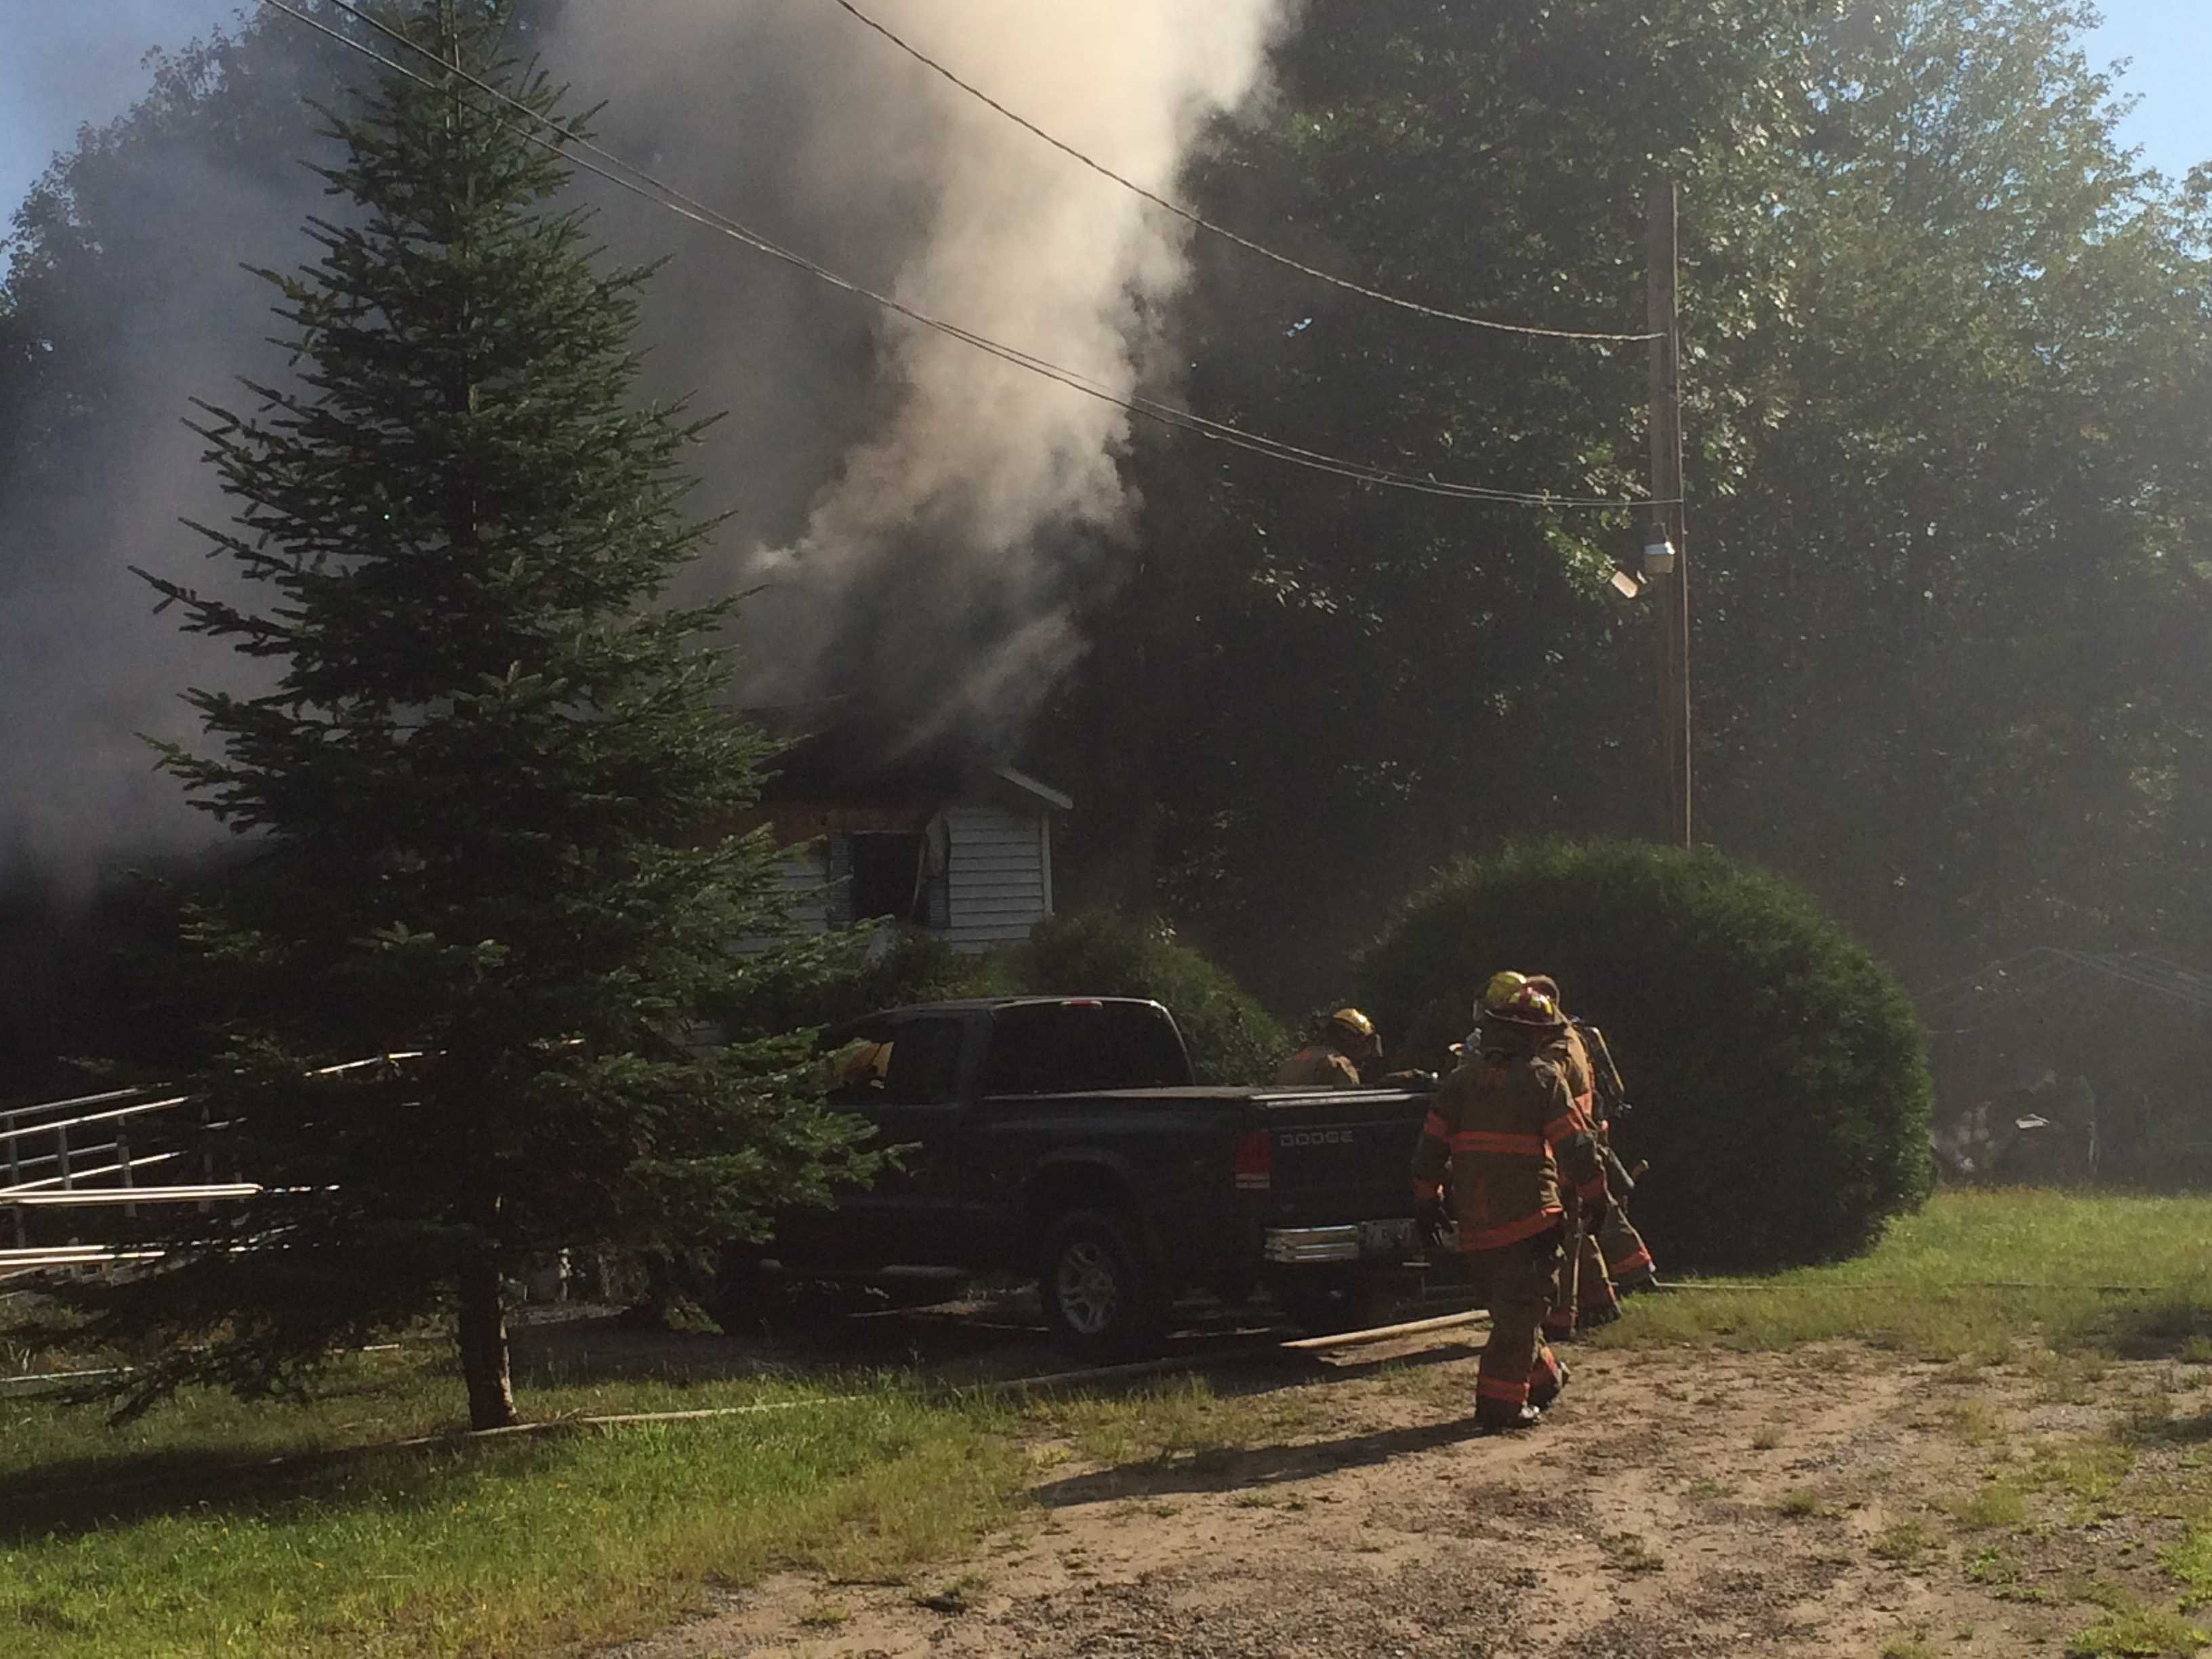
955 844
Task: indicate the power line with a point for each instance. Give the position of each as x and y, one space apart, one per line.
1165 414
1192 217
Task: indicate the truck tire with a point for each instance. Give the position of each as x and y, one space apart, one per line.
744 1297
1102 1295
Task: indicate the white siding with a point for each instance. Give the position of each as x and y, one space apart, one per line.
997 873
802 882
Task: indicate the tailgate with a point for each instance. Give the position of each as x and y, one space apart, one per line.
1341 1156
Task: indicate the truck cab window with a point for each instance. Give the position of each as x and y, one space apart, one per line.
925 1063
1073 1047
853 1065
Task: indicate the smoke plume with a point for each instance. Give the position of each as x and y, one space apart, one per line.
96 467
955 506
917 519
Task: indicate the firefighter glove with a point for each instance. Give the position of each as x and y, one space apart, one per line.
1431 1224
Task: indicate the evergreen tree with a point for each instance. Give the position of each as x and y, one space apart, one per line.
480 788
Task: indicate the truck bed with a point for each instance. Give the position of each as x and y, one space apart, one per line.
1335 1156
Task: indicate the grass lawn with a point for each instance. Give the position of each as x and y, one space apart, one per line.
149 1540
1974 1275
161 1537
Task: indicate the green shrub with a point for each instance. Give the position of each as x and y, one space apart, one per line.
1779 1073
1101 953
827 979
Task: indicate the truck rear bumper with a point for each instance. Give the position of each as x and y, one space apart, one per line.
1300 1244
1361 1242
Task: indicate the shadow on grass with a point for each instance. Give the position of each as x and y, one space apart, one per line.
979 1341
1291 1369
2193 1431
77 1495
982 1335
1228 1469
69 1495
603 1349
2167 1325
953 1347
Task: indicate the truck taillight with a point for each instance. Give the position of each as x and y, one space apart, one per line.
1254 1163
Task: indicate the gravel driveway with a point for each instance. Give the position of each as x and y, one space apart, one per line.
1674 1504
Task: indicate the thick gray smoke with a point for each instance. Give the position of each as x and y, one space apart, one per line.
942 509
87 671
917 517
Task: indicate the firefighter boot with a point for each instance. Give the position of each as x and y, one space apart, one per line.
1592 1315
1549 1376
1507 1420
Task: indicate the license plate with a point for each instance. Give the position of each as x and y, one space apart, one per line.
1393 1237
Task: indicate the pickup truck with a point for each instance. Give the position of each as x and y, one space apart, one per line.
1064 1138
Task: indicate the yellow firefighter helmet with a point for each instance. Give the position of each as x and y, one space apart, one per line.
1352 1031
1518 999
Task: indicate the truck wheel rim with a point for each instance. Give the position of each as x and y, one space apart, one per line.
1088 1290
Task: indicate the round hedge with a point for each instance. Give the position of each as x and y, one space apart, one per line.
1103 953
1778 1073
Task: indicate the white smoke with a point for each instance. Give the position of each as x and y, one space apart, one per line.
933 570
919 516
89 670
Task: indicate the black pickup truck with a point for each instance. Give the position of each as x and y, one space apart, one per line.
1064 1137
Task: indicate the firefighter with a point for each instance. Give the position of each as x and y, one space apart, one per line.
1504 1126
1341 1045
1627 1257
1614 1256
1586 1297
1584 1285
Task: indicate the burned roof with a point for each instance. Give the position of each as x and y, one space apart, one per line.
848 766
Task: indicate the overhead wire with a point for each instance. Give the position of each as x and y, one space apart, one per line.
673 199
1191 216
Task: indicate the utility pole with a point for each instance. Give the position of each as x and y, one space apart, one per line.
1669 573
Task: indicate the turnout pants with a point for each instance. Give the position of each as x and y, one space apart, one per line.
1518 1284
1627 1259
1585 1287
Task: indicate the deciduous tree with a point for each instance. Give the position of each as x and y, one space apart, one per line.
1948 349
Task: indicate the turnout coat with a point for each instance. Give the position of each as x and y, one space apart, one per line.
1506 1127
1317 1065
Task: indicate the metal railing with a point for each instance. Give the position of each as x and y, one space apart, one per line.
63 1153
77 1155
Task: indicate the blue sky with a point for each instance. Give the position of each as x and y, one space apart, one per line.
2170 44
63 62
66 61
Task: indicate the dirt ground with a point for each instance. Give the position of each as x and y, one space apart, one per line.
1675 1504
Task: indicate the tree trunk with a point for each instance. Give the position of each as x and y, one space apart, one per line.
482 1331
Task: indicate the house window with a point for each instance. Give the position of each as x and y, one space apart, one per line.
901 876
887 879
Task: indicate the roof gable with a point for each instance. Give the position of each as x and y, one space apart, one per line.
843 767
